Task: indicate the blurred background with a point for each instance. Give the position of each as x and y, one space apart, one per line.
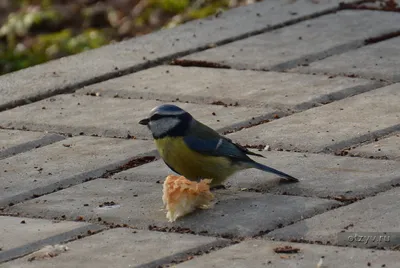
36 31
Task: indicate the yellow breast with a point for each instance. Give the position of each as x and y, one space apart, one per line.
191 164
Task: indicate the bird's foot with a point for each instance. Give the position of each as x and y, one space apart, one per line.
218 187
287 181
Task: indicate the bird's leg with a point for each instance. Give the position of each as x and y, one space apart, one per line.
218 187
286 181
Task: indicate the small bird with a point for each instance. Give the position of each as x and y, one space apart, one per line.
196 151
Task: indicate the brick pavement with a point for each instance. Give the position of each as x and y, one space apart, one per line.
315 81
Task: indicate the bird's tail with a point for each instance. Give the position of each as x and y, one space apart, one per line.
274 171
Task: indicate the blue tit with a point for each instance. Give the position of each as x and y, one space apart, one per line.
196 151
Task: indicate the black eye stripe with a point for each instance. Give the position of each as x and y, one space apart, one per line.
155 117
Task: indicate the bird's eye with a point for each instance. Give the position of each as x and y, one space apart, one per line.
155 117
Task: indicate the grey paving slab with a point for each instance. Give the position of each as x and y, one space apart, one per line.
140 204
112 117
374 214
15 141
387 148
304 42
379 61
138 53
320 175
20 236
257 253
64 163
248 88
333 126
123 247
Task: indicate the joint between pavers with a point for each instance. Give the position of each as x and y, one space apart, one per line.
188 254
329 98
238 238
280 226
71 181
302 241
338 147
306 60
327 243
185 230
286 66
343 199
348 151
381 38
63 238
255 121
25 147
136 162
340 95
379 79
199 63
68 134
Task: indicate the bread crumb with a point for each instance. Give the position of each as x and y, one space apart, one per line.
47 252
182 196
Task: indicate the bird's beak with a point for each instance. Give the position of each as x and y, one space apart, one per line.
144 121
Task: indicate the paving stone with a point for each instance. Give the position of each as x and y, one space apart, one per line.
379 61
387 148
140 204
62 164
138 53
115 117
374 214
123 247
304 42
320 175
333 126
248 88
20 236
15 141
257 253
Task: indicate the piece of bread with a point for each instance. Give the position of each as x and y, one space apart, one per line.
182 196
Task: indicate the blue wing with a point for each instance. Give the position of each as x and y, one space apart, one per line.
205 140
215 147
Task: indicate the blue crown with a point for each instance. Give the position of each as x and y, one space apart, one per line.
167 109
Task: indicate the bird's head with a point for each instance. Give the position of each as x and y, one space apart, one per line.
167 120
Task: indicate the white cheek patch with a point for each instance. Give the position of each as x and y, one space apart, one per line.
163 125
